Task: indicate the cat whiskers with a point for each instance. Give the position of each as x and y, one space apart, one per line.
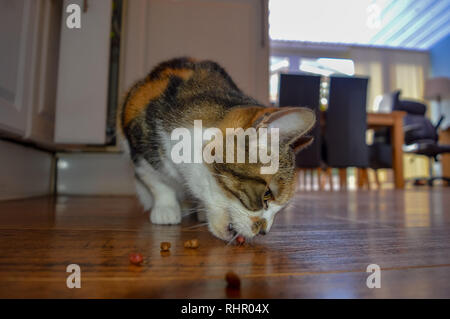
195 226
190 211
232 239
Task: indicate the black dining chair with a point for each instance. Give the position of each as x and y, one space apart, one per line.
304 90
346 125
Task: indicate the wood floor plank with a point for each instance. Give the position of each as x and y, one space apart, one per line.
319 246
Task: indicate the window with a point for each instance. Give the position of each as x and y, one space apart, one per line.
327 66
409 24
277 65
322 66
331 21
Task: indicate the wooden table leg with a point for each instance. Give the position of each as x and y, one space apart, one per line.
365 176
330 177
342 178
397 151
359 178
320 175
377 180
362 178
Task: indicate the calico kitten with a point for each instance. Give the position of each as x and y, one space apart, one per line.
237 198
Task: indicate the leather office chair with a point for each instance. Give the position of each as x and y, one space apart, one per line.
421 138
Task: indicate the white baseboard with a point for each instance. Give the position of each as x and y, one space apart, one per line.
94 174
24 171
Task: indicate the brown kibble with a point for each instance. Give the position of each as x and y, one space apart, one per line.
165 246
233 281
193 244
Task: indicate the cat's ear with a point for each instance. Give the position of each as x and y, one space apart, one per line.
293 124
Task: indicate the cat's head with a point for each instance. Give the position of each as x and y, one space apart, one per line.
248 197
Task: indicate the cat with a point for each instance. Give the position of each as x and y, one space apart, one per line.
237 198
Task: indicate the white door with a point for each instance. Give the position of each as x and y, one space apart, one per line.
230 32
82 93
18 38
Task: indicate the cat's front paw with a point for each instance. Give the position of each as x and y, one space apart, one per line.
166 214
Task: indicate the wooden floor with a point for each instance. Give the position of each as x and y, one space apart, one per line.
318 248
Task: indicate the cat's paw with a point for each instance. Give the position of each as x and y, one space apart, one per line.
166 214
144 196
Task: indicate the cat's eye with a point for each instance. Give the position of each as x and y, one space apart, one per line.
267 196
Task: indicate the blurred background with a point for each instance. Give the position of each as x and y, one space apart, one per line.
375 71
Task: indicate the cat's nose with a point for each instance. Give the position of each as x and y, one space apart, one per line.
259 225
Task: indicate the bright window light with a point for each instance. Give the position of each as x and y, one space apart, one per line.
277 66
280 65
307 67
327 66
392 23
344 66
333 21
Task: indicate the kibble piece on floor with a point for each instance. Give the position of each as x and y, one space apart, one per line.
136 259
240 240
233 280
193 243
165 246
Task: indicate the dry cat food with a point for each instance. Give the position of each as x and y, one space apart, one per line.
240 240
193 243
233 280
165 246
136 258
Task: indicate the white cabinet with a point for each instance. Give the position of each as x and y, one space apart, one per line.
29 36
230 32
48 68
82 96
